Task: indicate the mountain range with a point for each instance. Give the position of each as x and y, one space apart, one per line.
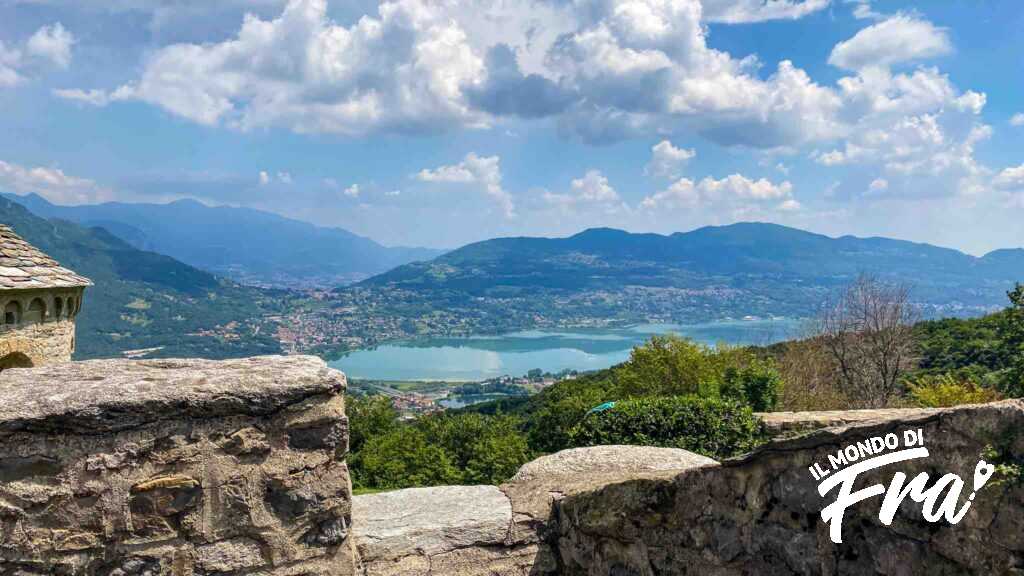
145 300
768 263
154 299
244 244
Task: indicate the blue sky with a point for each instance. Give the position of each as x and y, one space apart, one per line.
440 122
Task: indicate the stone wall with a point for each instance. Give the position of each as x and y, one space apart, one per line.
760 514
641 511
41 343
183 467
191 467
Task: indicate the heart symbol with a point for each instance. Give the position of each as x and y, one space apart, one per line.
982 472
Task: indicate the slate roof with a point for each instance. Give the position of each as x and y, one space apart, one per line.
22 265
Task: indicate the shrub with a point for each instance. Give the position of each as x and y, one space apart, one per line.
713 427
673 366
368 417
938 391
487 449
757 385
400 459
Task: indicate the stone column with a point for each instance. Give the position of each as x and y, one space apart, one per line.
175 467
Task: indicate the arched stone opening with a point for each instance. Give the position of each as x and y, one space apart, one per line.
36 311
12 313
58 307
15 360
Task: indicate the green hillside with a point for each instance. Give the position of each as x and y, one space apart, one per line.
148 300
746 268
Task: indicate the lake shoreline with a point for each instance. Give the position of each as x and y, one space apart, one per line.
475 358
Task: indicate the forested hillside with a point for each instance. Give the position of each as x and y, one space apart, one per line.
146 300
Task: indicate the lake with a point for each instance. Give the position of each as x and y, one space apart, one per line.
481 357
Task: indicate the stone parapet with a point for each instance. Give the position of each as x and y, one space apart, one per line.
761 513
180 467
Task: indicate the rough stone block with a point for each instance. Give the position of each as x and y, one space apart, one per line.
182 467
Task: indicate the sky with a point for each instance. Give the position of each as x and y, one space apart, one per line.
442 122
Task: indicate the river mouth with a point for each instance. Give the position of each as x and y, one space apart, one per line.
476 358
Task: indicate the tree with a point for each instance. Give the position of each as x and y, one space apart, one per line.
868 331
757 385
673 366
403 458
496 457
1011 335
811 377
369 416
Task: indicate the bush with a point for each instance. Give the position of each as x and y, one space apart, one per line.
757 385
486 449
942 390
717 428
402 458
368 417
674 366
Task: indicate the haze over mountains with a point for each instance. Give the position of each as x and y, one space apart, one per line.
241 243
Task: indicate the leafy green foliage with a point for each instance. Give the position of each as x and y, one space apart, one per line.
666 366
402 458
758 385
369 417
941 390
717 428
956 343
1011 334
444 448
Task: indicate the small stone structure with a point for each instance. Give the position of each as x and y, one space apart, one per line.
39 300
177 467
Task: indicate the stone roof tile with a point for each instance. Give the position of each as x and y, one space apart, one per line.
22 265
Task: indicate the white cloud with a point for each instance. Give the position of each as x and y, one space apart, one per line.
10 60
284 177
667 160
862 10
52 43
735 193
590 191
1017 119
49 45
878 185
901 38
264 178
1010 179
608 70
475 170
51 183
743 11
402 70
93 97
352 191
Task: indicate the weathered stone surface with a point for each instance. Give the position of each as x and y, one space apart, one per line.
788 423
99 396
576 464
175 467
539 485
760 514
429 521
